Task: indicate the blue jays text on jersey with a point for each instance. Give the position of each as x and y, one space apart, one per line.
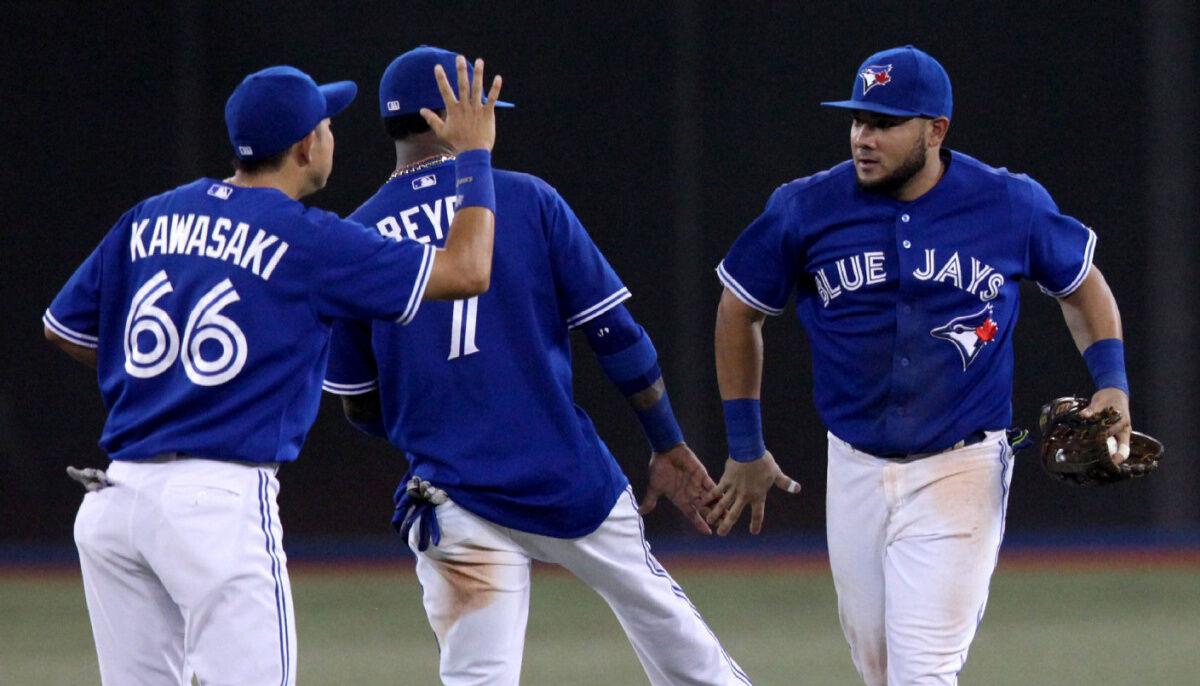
909 306
478 392
211 306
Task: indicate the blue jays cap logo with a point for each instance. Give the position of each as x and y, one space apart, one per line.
969 334
875 75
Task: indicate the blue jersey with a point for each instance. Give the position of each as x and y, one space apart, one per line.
478 392
211 307
909 306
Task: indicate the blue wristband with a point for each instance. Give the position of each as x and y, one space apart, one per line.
743 429
1106 361
474 184
658 421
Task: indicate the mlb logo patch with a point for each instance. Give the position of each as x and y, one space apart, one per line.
424 182
219 191
245 150
393 105
876 75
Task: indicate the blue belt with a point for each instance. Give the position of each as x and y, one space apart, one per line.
971 439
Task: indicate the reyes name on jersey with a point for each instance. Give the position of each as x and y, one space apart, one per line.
478 391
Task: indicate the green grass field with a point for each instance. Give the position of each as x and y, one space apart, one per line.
1064 625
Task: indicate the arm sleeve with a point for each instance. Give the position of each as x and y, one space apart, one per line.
351 369
760 267
359 274
586 284
624 350
1060 248
75 312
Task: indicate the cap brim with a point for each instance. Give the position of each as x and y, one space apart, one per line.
872 107
338 95
501 103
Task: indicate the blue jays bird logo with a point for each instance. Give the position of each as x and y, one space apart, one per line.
876 75
969 334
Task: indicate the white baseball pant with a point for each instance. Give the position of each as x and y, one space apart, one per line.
912 545
184 569
475 587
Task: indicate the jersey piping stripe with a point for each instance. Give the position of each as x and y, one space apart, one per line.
1003 444
657 570
71 335
1083 270
350 388
418 291
743 294
598 309
264 511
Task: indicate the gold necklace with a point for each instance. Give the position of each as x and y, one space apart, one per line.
421 164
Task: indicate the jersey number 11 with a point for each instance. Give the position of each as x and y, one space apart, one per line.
462 329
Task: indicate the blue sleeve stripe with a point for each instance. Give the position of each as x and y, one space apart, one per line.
1088 250
350 388
80 339
418 291
743 294
598 309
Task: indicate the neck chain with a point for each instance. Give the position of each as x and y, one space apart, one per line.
421 164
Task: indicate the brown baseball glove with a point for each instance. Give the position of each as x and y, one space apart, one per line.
1076 449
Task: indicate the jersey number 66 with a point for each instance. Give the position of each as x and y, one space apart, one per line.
205 323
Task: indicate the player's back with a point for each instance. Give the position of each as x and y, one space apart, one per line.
478 392
214 303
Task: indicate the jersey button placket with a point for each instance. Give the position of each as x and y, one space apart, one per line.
904 383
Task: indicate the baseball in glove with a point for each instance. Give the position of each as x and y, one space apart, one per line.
1076 448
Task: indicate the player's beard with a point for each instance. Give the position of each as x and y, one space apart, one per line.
909 167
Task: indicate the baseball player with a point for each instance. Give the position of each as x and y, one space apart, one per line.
504 467
905 262
206 311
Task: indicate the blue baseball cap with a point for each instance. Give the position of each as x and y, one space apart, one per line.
273 108
408 83
902 82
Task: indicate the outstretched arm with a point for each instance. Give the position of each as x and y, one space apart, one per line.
750 471
630 361
463 268
1095 323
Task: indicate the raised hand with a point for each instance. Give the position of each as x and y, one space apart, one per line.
470 124
680 476
747 483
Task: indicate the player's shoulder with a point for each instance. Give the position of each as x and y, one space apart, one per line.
835 184
522 183
975 171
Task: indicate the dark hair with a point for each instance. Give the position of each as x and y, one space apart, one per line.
405 125
266 164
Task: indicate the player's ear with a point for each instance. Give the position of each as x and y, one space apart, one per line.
302 149
937 131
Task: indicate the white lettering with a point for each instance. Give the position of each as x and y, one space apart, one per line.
995 281
850 284
388 227
218 246
199 236
926 272
160 236
951 270
253 257
876 273
237 243
283 246
979 271
832 290
435 215
411 228
181 228
136 249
